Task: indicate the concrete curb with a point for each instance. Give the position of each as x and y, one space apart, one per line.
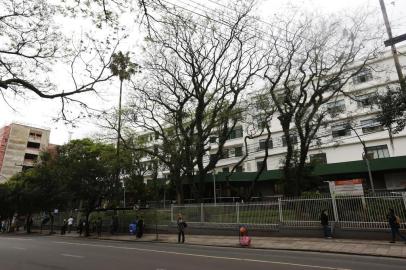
238 246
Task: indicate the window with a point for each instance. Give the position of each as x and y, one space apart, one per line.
333 83
238 151
319 158
260 121
366 100
156 149
340 130
259 166
26 167
263 146
293 140
336 107
235 133
371 125
261 102
280 97
35 135
379 151
225 153
143 138
30 156
364 75
212 139
239 169
33 145
225 169
237 115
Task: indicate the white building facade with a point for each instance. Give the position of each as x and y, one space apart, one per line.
335 142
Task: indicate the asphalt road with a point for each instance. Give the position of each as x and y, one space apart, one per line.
45 253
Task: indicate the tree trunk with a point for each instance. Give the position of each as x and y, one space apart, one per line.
28 223
87 233
179 192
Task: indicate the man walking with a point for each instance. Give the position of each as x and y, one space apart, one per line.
181 228
70 224
324 223
394 223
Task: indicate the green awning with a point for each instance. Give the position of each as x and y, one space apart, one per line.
351 167
359 166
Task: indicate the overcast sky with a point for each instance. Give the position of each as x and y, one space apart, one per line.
40 112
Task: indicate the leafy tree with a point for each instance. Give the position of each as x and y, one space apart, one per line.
6 209
37 189
392 114
88 169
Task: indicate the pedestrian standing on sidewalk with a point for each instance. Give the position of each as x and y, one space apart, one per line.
324 223
3 226
181 228
80 227
99 225
70 224
140 228
394 223
64 226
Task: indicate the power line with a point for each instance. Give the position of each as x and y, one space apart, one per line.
257 19
227 24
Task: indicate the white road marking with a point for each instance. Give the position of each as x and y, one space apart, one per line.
203 256
19 248
71 255
16 238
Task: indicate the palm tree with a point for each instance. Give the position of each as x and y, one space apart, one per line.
122 67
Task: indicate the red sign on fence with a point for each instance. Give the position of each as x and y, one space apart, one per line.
347 187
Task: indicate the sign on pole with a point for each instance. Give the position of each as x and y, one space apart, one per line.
394 40
347 187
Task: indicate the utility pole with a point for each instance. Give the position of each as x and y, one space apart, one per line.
214 186
392 43
124 192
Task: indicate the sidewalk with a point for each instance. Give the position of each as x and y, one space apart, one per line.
344 246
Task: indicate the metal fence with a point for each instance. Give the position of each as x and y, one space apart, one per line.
152 217
352 212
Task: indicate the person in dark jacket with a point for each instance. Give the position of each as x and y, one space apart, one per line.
80 227
181 228
394 224
64 227
140 228
99 225
324 223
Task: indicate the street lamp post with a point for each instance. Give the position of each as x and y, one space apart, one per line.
123 182
214 186
365 157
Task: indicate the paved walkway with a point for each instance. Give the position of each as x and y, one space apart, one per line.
347 246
